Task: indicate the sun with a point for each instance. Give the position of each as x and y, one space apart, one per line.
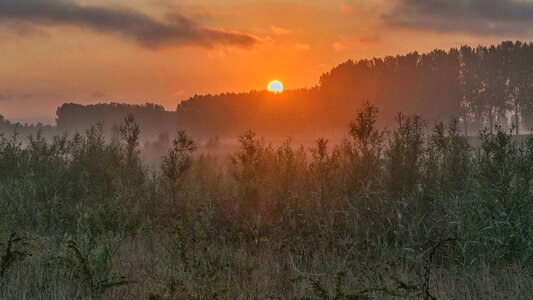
275 86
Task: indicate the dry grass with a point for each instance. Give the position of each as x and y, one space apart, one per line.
262 272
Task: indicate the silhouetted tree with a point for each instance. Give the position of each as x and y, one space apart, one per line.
129 133
365 154
177 161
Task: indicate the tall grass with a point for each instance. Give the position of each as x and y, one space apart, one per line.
364 218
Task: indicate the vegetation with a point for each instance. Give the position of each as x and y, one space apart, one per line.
413 211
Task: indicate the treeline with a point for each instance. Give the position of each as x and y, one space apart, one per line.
152 117
379 198
294 112
24 130
480 86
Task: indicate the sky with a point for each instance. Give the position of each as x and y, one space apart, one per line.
164 51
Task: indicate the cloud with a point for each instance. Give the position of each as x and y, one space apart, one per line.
479 17
364 41
371 38
144 30
302 47
279 30
339 46
350 7
21 29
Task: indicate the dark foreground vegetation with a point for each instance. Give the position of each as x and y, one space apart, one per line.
409 212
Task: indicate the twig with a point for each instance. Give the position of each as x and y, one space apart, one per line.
427 275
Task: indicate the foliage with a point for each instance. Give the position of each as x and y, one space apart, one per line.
378 196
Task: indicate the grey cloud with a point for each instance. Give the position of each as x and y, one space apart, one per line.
480 17
20 29
149 32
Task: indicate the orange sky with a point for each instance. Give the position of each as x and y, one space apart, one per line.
50 55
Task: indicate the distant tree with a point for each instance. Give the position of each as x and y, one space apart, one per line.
177 161
519 71
3 120
152 118
493 100
469 83
526 91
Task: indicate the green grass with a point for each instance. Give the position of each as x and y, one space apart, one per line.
383 214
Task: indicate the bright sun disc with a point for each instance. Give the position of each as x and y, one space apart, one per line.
275 86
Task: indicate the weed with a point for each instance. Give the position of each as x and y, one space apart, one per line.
13 251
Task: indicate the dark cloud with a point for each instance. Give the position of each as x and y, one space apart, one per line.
480 17
20 29
149 32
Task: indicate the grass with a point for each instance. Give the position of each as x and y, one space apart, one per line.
265 273
413 212
11 254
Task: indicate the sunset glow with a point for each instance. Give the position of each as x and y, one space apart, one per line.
275 86
168 51
201 145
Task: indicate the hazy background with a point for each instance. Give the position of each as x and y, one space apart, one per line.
159 51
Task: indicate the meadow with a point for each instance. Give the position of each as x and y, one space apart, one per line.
414 211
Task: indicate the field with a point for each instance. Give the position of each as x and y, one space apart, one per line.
411 212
